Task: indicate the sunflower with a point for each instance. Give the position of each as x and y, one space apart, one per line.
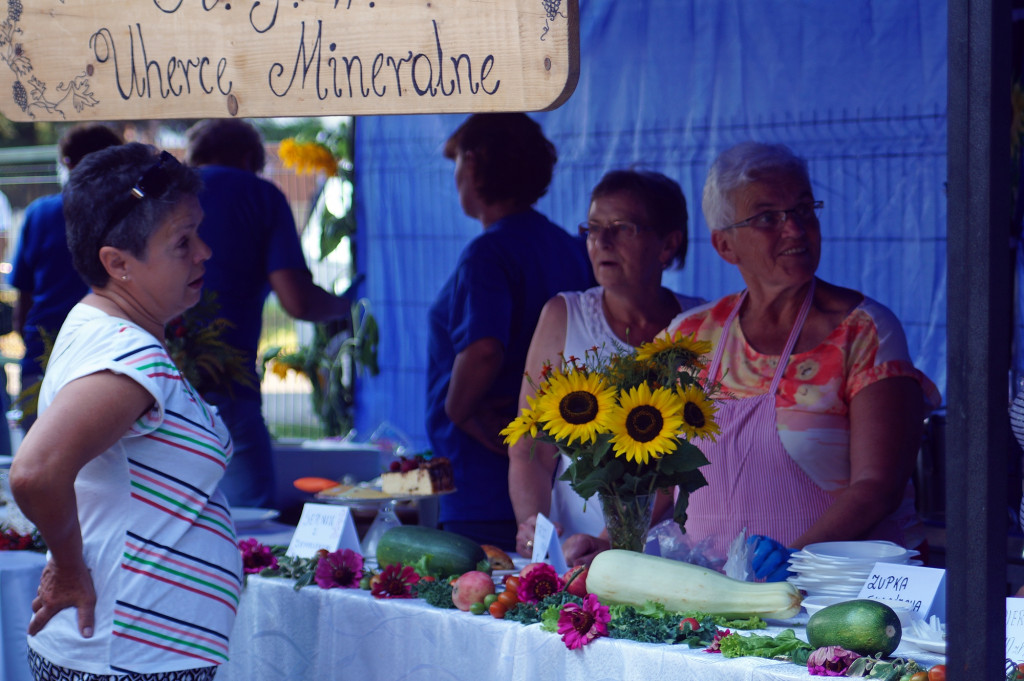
698 413
524 424
576 406
307 157
645 423
675 342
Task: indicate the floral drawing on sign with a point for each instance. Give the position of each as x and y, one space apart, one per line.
35 96
552 13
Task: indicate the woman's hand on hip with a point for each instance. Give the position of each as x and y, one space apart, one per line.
61 588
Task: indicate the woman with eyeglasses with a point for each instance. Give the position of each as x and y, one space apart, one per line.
821 409
635 230
120 472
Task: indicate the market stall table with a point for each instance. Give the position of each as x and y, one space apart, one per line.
19 579
314 634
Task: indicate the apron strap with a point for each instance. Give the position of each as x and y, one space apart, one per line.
798 326
791 343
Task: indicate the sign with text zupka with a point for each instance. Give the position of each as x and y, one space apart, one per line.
67 60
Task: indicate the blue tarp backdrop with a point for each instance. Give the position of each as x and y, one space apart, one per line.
858 88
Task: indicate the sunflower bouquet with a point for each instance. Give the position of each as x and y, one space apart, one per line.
628 421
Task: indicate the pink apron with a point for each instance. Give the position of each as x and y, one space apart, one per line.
752 481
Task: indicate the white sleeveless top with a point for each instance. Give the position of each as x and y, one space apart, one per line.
586 327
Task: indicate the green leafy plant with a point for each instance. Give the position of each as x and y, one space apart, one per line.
332 362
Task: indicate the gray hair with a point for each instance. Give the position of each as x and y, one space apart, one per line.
743 164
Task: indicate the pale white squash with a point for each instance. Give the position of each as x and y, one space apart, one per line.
632 578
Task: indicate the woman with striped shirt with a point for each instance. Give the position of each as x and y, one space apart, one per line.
120 473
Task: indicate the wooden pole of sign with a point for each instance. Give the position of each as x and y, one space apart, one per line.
137 59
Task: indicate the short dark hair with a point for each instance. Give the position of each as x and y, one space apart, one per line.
225 142
84 139
661 197
100 209
513 158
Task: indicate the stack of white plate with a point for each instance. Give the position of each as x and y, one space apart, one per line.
840 568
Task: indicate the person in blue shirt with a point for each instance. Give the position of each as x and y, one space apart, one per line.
482 321
249 226
47 283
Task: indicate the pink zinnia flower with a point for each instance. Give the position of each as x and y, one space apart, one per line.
540 582
256 557
716 642
579 625
343 568
395 582
830 661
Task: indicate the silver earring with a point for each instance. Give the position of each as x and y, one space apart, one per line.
124 277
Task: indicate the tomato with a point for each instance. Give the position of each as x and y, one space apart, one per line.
919 676
937 673
498 610
512 583
428 578
690 622
508 598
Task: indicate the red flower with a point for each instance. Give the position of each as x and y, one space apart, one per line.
579 625
342 568
540 582
10 540
395 582
830 661
716 643
256 557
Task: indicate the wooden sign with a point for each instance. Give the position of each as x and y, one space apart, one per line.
138 59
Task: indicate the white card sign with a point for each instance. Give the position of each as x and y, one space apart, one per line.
921 588
1015 629
546 545
323 526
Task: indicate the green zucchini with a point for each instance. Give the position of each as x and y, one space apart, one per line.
450 553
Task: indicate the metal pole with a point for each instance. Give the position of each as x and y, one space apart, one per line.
978 336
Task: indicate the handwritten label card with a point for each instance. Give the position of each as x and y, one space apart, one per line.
323 526
1015 629
923 589
546 545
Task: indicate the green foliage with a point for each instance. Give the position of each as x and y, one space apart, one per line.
437 593
331 362
784 646
302 570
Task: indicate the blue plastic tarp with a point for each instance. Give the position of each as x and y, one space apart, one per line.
858 88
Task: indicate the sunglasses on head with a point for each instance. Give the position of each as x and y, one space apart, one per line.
152 183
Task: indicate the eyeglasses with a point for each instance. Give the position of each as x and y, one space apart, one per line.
153 183
593 230
773 220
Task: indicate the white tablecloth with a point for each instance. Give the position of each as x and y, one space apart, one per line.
316 634
19 579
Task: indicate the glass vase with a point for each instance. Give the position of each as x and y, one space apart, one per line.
627 518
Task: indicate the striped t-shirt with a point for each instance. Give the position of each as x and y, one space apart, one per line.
157 533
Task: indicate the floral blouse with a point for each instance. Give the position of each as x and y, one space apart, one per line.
813 400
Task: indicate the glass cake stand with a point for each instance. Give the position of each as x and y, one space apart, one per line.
385 517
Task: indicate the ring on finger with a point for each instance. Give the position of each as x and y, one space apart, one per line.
529 543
